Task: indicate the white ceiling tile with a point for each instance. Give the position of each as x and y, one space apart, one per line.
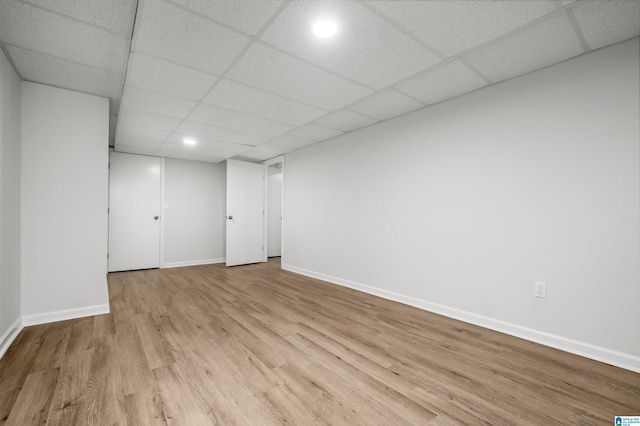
211 144
271 149
171 32
232 95
291 141
188 156
220 133
315 132
253 154
442 82
116 16
286 76
385 104
605 22
156 103
246 16
345 120
135 149
247 159
84 46
454 26
147 72
145 119
129 131
216 116
57 72
366 48
138 141
195 150
36 29
549 41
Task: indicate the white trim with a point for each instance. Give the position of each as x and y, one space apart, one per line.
275 160
162 211
193 263
587 350
265 210
68 314
282 210
10 335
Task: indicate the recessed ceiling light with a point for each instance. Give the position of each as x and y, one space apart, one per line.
325 28
189 141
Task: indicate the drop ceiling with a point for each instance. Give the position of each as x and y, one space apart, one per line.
248 80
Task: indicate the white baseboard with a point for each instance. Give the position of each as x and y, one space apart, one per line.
65 315
10 335
587 350
193 263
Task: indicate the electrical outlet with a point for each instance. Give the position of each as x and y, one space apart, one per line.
540 290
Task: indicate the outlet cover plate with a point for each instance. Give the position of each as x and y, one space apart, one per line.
540 290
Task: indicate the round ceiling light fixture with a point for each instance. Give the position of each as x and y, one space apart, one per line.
325 28
189 141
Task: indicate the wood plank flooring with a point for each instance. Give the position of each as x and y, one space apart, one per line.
255 345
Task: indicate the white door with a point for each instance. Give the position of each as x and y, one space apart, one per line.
134 211
245 213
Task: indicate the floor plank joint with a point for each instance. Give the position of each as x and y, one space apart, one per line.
262 346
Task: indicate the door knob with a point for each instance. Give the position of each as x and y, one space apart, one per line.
230 217
155 218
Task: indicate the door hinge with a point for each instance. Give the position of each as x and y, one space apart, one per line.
108 210
107 256
262 248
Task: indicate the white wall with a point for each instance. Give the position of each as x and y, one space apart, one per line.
194 222
64 203
274 216
459 208
9 202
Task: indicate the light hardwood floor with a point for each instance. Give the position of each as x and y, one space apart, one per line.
255 345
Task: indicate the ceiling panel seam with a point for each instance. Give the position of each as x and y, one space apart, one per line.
73 18
578 30
242 52
274 94
315 65
273 17
127 67
245 113
534 22
431 68
404 30
475 70
62 59
349 106
11 61
462 55
171 61
208 18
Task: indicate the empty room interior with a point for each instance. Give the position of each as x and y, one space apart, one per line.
349 212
